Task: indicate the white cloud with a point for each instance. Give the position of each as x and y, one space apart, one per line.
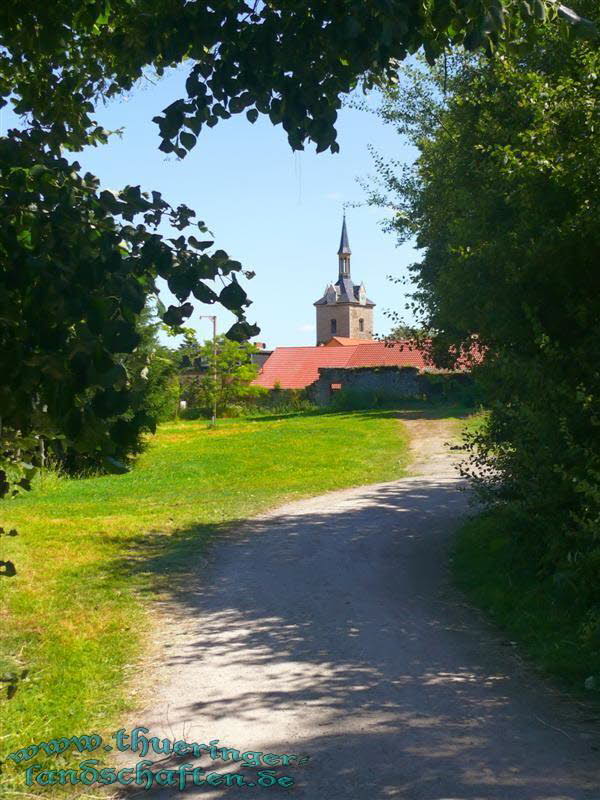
337 196
308 327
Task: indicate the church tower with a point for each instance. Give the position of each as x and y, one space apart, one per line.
344 310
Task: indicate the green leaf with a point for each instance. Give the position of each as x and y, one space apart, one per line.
220 257
242 331
204 245
194 124
204 293
175 316
124 433
181 282
38 170
120 336
115 376
252 115
233 296
539 10
144 421
188 140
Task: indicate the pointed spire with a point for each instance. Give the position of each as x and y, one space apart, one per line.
344 243
344 252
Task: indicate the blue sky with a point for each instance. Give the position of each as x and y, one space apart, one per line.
276 211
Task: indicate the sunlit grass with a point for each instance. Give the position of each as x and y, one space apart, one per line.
92 552
475 422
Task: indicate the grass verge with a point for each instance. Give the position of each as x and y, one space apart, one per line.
92 552
491 565
475 422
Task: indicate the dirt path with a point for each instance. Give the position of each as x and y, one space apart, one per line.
328 628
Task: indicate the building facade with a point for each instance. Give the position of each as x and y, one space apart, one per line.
347 357
344 310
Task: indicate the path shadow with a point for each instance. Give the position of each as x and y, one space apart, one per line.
395 410
431 412
335 617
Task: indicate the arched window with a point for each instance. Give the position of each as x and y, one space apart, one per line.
334 325
361 325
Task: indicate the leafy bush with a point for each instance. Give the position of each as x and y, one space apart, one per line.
261 402
280 401
151 374
504 201
462 389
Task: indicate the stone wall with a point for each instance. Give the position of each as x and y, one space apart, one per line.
389 381
381 384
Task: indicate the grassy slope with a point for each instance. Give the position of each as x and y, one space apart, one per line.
493 569
88 549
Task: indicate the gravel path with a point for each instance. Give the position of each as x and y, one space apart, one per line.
329 628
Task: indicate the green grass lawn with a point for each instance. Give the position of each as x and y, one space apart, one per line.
90 551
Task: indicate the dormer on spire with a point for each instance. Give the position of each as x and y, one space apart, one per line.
344 252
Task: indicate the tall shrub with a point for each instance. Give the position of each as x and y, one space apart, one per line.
504 201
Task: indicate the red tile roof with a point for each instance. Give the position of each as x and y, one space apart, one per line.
342 341
370 354
297 367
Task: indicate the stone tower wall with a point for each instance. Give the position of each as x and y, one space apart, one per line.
347 317
357 313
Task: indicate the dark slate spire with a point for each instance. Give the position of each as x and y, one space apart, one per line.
344 243
344 253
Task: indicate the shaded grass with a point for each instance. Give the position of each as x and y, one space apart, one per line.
456 412
496 563
491 564
91 550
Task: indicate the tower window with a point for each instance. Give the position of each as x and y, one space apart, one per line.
344 265
361 325
334 325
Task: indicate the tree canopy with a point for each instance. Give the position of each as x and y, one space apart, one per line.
218 372
289 60
77 263
504 202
